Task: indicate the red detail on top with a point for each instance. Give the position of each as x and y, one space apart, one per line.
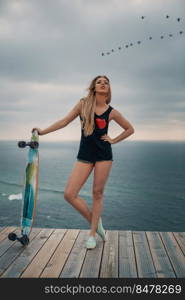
101 123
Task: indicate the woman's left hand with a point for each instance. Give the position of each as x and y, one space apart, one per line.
107 138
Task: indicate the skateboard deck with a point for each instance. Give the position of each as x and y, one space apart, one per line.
30 192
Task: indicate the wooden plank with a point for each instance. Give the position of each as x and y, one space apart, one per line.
180 238
127 260
92 261
109 265
22 261
2 228
10 255
174 252
160 258
4 233
6 243
62 253
145 266
57 261
75 260
39 262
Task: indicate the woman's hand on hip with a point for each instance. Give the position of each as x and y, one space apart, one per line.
107 138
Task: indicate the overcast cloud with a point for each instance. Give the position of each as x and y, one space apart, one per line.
50 50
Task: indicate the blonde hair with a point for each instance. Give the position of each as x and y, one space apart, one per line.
89 105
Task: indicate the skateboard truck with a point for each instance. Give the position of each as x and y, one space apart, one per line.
24 240
32 144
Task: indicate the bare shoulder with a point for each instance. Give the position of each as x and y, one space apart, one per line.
74 113
118 117
77 108
81 103
114 114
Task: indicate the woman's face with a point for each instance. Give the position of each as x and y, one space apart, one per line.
102 86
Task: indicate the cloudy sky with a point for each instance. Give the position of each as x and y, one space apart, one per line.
50 50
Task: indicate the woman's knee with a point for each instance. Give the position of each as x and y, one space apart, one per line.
97 193
69 195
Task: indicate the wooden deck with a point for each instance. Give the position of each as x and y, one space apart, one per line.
54 253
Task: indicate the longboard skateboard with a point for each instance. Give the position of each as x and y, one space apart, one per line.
30 190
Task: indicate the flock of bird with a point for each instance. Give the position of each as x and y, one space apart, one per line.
139 42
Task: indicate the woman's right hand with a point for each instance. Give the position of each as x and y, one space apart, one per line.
38 130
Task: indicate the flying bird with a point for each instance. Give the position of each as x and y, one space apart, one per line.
139 42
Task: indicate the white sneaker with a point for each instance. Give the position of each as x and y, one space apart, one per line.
91 242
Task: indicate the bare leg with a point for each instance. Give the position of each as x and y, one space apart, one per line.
79 175
101 173
81 205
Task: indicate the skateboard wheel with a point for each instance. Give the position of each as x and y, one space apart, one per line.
21 144
34 145
24 240
12 236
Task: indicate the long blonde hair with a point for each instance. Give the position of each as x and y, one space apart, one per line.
89 105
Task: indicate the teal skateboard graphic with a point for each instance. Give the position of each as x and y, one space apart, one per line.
30 190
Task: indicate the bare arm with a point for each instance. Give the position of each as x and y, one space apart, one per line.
63 122
118 118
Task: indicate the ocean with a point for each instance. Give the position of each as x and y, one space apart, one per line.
145 190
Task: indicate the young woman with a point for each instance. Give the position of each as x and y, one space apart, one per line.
95 151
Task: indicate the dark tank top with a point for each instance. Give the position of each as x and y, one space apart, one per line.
92 148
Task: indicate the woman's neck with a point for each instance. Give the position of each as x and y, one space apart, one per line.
100 100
